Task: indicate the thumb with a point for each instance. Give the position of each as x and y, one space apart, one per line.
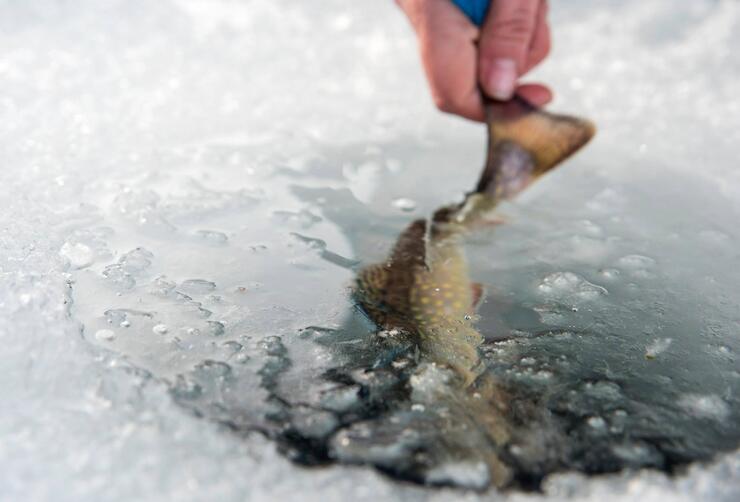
505 40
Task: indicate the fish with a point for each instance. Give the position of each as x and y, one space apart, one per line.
424 287
424 297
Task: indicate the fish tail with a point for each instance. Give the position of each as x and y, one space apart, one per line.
524 143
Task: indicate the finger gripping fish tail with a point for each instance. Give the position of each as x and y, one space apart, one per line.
524 143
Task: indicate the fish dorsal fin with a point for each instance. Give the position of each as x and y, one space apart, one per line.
525 142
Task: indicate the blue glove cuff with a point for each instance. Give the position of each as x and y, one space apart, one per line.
476 10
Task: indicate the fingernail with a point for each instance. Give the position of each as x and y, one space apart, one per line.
501 79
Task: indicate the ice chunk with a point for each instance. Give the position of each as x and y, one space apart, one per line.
136 260
710 406
213 237
160 329
473 475
404 204
105 334
567 286
79 255
215 328
198 286
657 346
636 262
118 277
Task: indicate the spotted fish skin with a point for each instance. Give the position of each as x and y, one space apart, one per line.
424 289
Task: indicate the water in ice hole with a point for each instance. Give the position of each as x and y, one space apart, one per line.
244 310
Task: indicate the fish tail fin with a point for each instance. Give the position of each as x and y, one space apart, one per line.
524 143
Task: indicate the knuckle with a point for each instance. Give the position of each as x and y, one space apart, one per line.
515 28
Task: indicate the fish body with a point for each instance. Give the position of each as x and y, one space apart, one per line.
424 293
424 288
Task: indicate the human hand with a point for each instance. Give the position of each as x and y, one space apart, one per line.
463 61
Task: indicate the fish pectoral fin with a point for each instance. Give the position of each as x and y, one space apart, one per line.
479 293
526 142
370 292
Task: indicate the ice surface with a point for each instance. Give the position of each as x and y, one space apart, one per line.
214 169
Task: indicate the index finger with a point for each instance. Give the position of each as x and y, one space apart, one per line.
449 53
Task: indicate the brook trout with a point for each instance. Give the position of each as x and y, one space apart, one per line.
424 288
423 294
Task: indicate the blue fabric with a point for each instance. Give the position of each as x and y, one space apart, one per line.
475 9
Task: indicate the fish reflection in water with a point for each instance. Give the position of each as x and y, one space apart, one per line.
416 400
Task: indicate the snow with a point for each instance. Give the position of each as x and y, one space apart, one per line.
185 184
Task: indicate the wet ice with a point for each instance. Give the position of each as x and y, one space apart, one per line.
124 107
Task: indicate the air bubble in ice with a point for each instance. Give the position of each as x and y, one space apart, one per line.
340 399
714 237
708 406
272 346
213 369
162 286
404 204
203 313
527 361
567 285
590 228
551 314
603 390
722 351
182 297
596 422
121 316
313 423
638 453
136 260
657 346
393 165
185 388
635 262
79 255
214 328
198 286
212 237
160 329
609 273
427 381
105 334
543 375
606 201
232 346
164 283
303 218
374 443
118 278
474 475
